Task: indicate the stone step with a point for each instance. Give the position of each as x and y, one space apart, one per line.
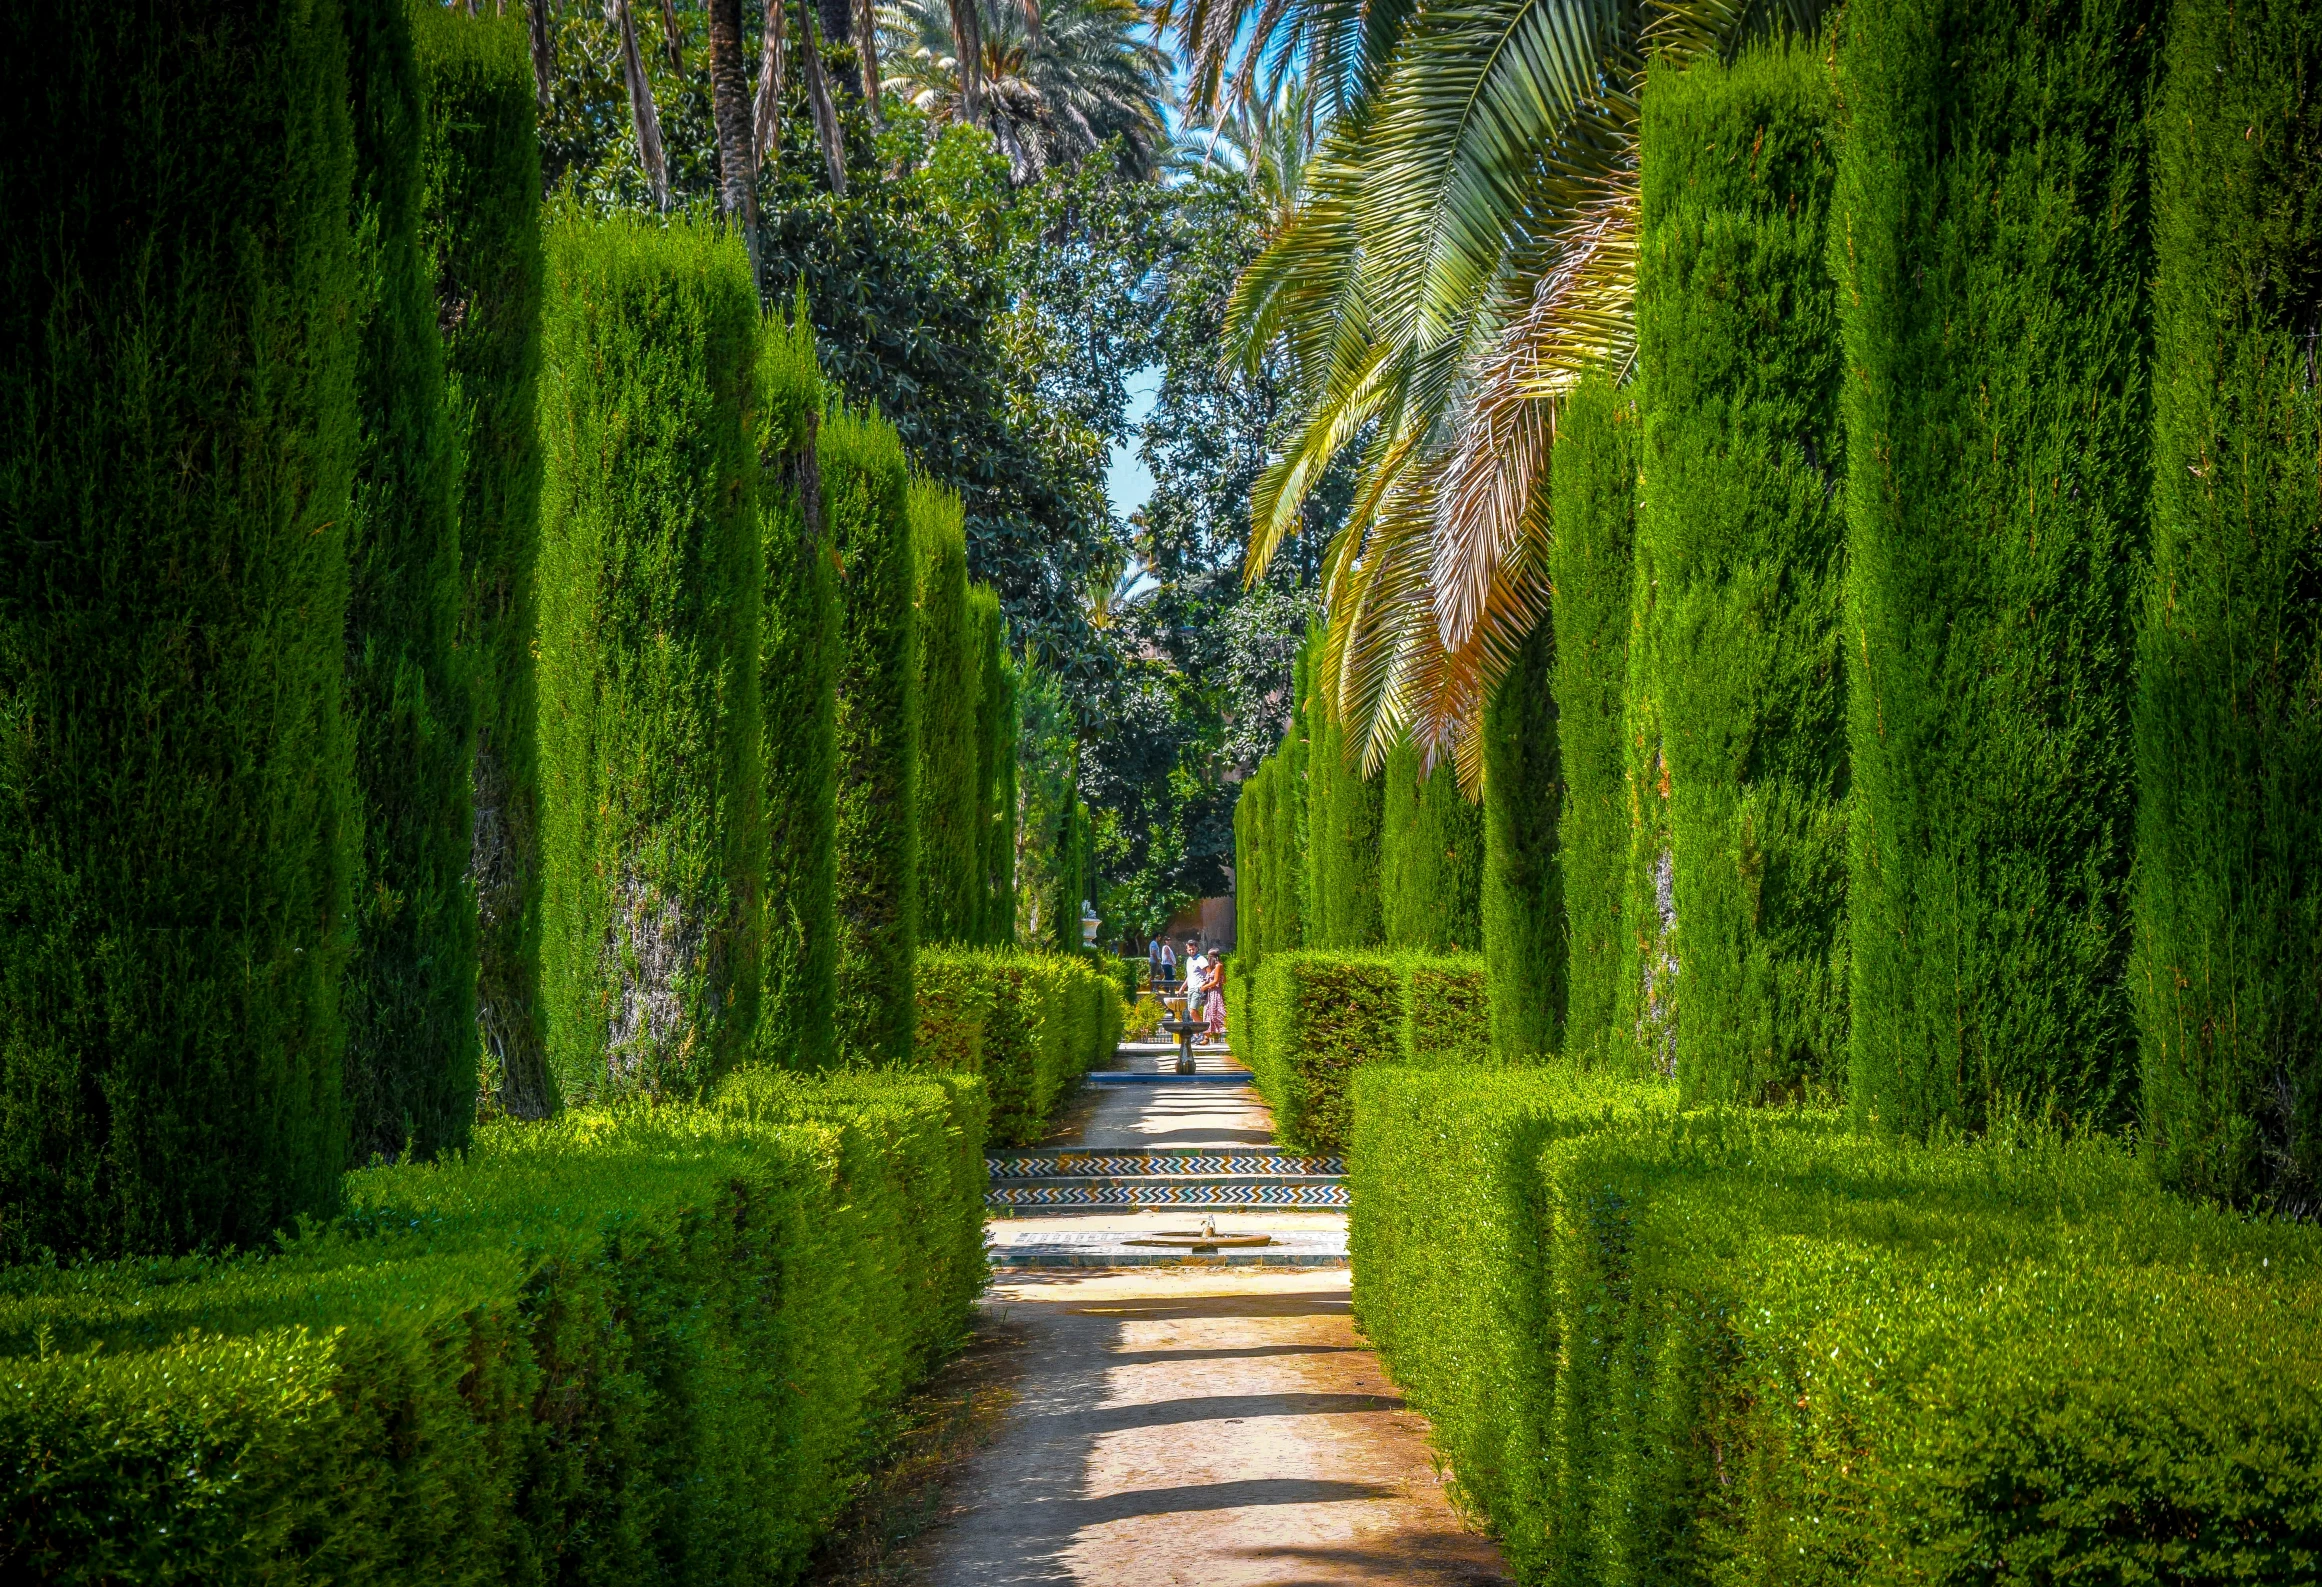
1304 1192
1208 1161
1031 1246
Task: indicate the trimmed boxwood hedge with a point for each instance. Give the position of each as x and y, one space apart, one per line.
177 360
1753 1346
651 587
1739 365
1031 1024
1306 1020
410 1000
1593 482
482 171
598 1349
1991 237
2225 979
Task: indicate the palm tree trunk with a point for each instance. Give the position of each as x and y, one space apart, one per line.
967 47
826 127
641 112
730 109
543 49
672 40
772 68
867 54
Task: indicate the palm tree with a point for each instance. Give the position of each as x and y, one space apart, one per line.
1055 81
1268 142
1463 248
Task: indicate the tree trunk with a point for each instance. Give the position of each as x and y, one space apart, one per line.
826 126
867 53
730 108
543 49
672 40
967 46
641 112
767 112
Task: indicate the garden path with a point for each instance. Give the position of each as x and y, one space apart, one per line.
1196 1427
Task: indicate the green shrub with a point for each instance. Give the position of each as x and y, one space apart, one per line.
177 360
1523 902
865 485
595 1350
1012 1049
410 998
798 703
997 728
1593 484
1754 1346
482 227
1318 1017
1991 242
1343 814
1447 1012
1738 360
2225 981
1431 858
950 694
954 997
1445 1233
650 610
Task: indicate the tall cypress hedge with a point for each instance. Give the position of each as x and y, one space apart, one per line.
798 704
410 1001
950 683
177 411
1343 814
996 731
482 173
1738 353
1991 243
1591 564
865 486
2226 979
1430 858
1523 875
650 587
1289 839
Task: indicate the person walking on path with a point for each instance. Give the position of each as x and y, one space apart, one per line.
1213 1005
1164 966
1197 979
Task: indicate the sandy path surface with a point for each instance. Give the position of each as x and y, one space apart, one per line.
1194 1427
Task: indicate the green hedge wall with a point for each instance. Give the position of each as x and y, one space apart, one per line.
410 998
1031 1024
650 585
1314 1018
798 703
177 408
1523 874
1447 1012
950 695
865 486
1593 489
2226 984
1305 1021
482 225
594 1350
1991 243
997 728
1753 1346
1431 858
1738 360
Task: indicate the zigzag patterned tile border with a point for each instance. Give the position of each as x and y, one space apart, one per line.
1057 1165
1211 1193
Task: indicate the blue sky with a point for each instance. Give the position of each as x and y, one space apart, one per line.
1127 481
